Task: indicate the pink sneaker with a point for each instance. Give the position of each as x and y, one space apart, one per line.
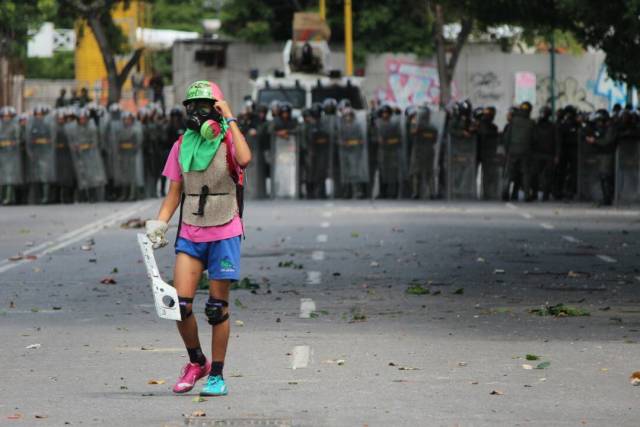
191 373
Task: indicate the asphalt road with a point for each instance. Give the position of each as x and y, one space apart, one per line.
332 338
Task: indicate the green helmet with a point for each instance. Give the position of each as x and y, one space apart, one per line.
201 89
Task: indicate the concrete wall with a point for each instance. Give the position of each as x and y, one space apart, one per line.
484 74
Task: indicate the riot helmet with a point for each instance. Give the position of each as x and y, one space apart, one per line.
316 110
199 103
329 105
525 108
545 113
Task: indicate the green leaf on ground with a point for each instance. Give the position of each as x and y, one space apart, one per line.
417 289
560 310
543 365
458 291
290 264
532 357
238 303
354 234
245 283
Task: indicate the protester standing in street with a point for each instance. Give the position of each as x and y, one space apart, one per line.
205 168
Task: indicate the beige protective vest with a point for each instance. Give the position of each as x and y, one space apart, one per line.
216 204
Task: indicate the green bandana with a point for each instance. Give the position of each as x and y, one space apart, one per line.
196 152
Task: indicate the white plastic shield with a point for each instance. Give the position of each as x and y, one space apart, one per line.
165 296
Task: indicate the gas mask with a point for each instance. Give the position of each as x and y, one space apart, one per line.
198 114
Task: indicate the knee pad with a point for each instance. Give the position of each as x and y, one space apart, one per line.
214 310
185 311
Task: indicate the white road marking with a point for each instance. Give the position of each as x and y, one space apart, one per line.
571 239
325 224
75 235
607 258
328 205
301 355
307 306
322 238
526 215
547 226
314 277
327 214
511 206
317 255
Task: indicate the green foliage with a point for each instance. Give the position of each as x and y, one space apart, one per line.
614 29
417 289
17 17
256 21
181 15
59 66
246 283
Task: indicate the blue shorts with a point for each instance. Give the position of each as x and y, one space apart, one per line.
221 258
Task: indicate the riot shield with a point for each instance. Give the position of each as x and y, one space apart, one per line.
284 182
390 156
589 188
438 120
64 165
10 156
627 180
461 167
254 174
353 150
40 151
87 162
128 162
492 171
329 124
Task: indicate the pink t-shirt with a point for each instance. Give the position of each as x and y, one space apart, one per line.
233 228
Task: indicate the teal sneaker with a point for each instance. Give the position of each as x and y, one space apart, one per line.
215 386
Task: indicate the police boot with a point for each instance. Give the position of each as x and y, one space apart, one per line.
46 194
132 196
9 195
122 193
607 194
415 187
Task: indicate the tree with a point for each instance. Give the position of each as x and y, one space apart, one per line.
376 24
111 41
16 19
614 29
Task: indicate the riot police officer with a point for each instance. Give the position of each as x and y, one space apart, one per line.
599 134
389 153
518 144
567 168
545 153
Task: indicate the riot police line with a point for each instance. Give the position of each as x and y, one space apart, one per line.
587 156
90 154
460 153
93 154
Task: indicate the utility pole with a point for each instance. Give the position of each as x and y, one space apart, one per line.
348 38
322 10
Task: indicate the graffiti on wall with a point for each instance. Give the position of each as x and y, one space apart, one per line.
568 91
409 83
486 88
614 92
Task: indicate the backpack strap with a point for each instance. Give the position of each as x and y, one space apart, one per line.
237 174
182 197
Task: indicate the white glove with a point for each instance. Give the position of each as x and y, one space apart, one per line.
156 231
